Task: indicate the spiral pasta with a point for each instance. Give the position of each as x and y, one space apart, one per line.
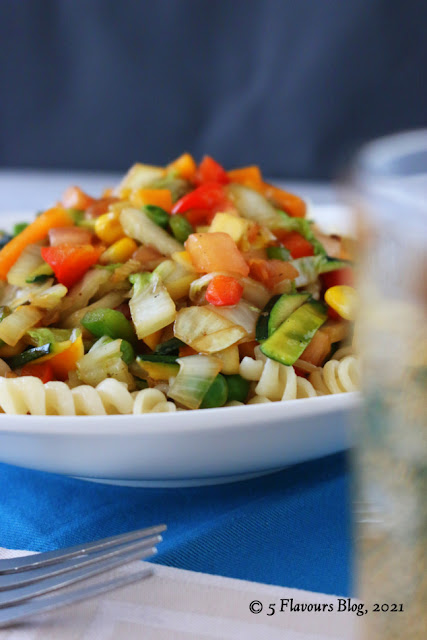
336 376
28 395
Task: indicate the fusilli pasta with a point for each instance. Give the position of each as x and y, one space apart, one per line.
28 395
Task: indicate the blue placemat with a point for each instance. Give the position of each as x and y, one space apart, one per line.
290 528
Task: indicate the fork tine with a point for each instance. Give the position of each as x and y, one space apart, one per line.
21 579
26 563
39 605
16 596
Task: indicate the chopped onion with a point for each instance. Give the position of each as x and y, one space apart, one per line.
151 306
29 260
136 224
82 292
241 314
13 327
205 330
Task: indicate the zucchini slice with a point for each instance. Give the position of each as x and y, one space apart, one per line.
276 311
289 341
158 367
16 362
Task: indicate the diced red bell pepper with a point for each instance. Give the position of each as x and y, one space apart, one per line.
295 243
209 197
338 277
44 371
209 170
223 291
70 262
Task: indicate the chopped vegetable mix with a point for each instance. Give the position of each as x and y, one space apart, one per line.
191 286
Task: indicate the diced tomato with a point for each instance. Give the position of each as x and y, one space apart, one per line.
209 170
209 197
338 277
99 207
215 252
75 198
224 291
271 272
70 263
295 243
44 371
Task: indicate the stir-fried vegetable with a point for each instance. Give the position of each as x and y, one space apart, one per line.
206 284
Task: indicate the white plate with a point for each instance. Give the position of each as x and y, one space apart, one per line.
185 448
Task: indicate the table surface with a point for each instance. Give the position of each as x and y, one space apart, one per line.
290 528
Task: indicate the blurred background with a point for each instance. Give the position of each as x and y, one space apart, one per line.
292 86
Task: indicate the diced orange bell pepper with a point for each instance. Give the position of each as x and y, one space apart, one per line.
70 262
75 198
271 272
289 202
43 371
63 363
158 197
248 176
215 252
37 230
184 166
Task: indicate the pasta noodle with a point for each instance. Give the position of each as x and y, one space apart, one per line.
28 395
337 376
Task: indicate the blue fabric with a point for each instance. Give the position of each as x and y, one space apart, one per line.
290 528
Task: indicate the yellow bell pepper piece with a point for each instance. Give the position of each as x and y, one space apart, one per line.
343 299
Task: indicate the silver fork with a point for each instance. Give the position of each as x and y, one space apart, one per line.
25 581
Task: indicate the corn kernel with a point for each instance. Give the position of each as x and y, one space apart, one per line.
108 227
343 300
183 258
120 251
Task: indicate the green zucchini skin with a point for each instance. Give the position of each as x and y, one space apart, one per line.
277 309
261 330
16 362
169 348
159 358
333 264
284 307
289 341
